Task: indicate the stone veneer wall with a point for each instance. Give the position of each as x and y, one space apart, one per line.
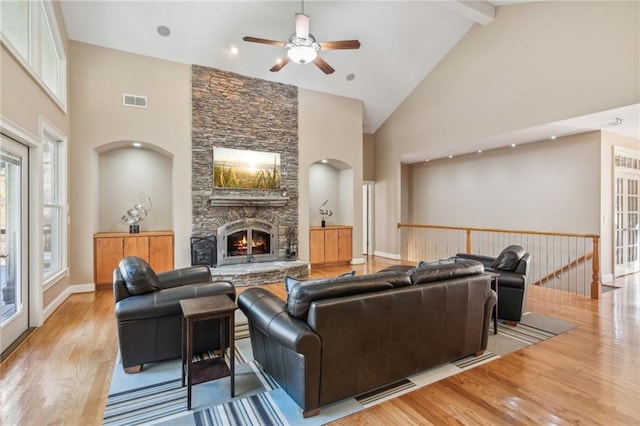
233 111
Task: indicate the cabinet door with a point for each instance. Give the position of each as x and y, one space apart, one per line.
344 245
316 246
161 253
137 246
107 253
331 245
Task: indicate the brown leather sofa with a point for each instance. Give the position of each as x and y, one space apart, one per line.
340 337
148 312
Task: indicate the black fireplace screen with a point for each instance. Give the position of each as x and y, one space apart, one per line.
203 251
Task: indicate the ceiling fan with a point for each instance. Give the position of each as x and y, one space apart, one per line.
302 46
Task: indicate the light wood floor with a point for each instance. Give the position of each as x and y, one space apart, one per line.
589 375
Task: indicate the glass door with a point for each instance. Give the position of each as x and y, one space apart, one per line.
14 298
626 223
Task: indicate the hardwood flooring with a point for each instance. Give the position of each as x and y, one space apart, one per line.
590 375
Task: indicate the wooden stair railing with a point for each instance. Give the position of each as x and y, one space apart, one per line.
564 269
593 255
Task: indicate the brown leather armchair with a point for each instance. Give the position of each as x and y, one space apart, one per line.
148 313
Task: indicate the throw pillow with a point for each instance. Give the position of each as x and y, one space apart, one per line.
508 258
447 261
138 276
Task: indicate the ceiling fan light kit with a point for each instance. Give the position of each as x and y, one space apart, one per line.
303 48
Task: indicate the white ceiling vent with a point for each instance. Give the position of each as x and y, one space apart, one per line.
134 100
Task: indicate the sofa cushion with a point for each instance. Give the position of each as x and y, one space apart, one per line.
138 276
304 293
508 258
433 273
289 282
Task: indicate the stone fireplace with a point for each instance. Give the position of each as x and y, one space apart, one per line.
242 113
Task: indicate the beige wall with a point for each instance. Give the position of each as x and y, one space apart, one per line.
100 76
329 127
22 104
367 156
536 63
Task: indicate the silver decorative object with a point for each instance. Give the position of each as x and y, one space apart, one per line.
138 212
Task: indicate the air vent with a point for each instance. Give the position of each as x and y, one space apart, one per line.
134 101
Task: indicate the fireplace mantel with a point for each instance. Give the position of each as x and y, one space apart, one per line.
248 200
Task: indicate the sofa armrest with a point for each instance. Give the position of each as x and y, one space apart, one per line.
167 302
523 265
268 313
485 260
184 276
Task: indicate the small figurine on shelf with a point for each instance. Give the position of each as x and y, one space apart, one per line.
325 213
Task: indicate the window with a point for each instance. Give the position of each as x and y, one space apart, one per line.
30 31
54 205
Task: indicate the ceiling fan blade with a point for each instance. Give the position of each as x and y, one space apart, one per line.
341 44
302 25
264 41
283 61
323 65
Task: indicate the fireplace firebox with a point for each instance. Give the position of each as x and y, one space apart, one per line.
247 240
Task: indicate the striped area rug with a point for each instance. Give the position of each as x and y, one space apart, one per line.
164 403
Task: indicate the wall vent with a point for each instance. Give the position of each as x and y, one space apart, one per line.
134 100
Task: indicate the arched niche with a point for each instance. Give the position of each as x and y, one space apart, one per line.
331 180
125 169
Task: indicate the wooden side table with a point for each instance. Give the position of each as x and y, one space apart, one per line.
201 309
494 286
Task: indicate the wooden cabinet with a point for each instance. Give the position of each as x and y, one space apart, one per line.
330 245
109 248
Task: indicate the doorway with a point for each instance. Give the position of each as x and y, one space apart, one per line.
626 221
367 218
14 244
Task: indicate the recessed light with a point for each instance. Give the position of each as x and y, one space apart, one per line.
450 155
233 50
164 31
137 144
479 151
324 161
553 137
427 160
513 145
350 77
279 61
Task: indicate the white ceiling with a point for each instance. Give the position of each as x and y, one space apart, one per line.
402 41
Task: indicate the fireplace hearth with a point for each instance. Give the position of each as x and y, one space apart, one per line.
247 240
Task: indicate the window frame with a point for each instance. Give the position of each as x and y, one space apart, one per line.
49 132
32 64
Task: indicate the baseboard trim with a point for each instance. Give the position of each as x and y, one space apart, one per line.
55 304
387 255
357 261
607 278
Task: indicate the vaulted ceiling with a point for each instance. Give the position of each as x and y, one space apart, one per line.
401 42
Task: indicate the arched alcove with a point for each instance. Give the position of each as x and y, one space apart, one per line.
331 180
125 170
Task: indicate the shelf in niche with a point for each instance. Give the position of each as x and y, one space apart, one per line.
248 201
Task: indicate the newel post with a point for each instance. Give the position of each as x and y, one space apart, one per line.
468 241
595 266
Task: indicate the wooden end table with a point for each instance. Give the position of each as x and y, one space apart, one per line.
201 309
494 286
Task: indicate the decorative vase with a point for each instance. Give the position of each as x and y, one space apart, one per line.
324 223
134 229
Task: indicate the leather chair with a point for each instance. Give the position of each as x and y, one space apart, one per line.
148 312
512 264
